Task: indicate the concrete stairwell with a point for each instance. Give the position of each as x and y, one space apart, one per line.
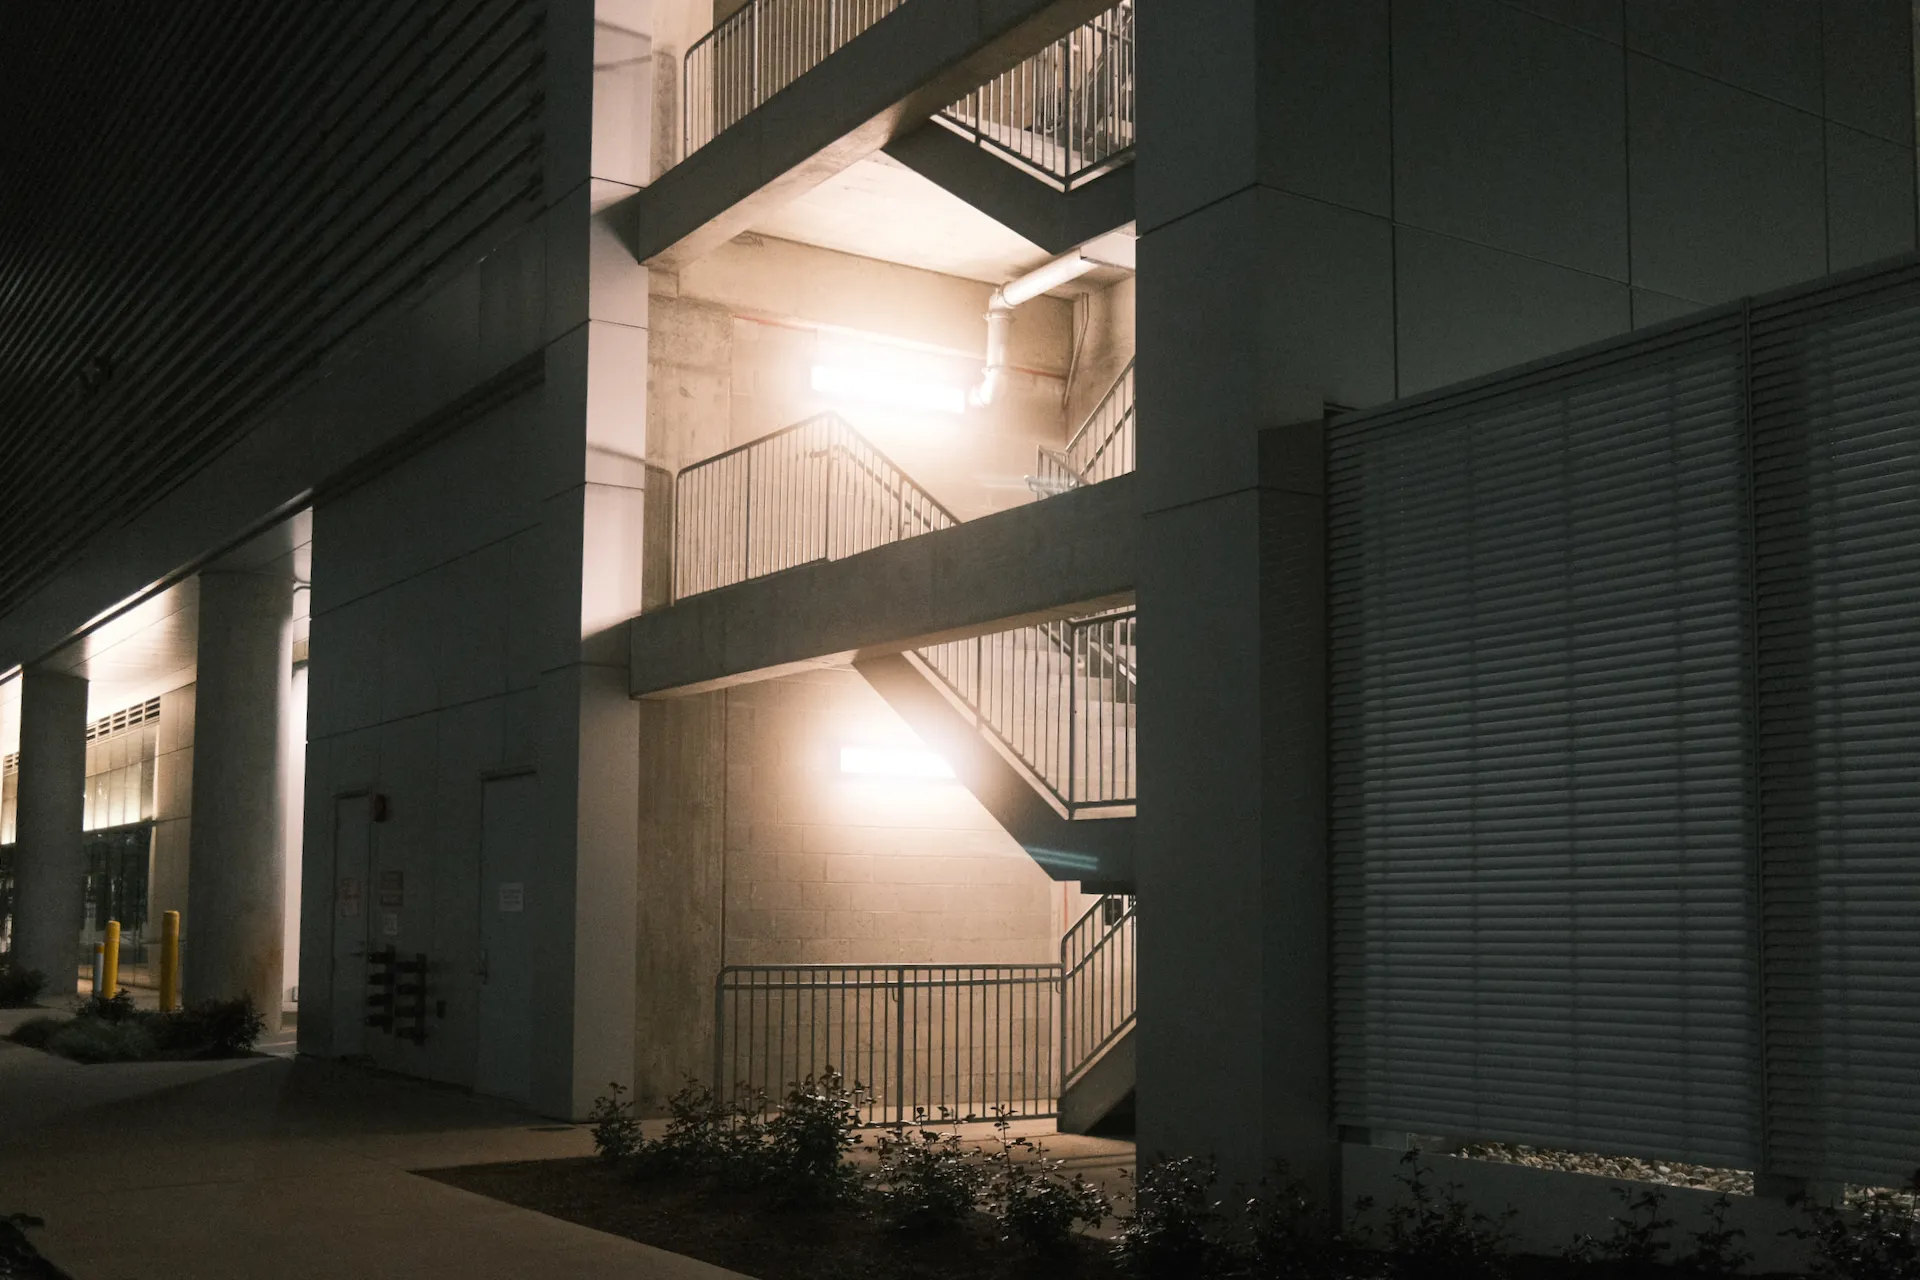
1098 1014
1055 220
1098 852
1100 1088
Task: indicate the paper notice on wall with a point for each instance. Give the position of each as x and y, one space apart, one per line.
513 896
393 889
390 924
349 896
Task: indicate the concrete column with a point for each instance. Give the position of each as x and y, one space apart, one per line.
1264 293
50 867
232 934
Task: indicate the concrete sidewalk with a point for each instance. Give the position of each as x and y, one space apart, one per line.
289 1168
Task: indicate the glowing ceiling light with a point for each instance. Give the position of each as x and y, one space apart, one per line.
894 762
876 387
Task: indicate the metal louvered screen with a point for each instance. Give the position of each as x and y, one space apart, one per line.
198 202
1836 404
1541 819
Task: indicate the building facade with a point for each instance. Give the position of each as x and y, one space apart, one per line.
637 522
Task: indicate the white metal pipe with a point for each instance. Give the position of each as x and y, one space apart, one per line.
1064 269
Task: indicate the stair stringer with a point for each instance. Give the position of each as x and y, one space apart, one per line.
1055 220
1097 852
1099 1087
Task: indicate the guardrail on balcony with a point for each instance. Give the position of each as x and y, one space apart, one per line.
1100 450
761 50
814 491
1097 984
1066 115
1060 696
968 1038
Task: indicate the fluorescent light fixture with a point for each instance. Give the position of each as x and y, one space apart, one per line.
875 387
893 762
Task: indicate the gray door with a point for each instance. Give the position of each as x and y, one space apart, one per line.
509 826
352 907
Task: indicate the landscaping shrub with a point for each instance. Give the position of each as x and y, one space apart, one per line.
19 987
1717 1251
35 1032
807 1140
95 1039
209 1029
1175 1231
1636 1241
1037 1205
929 1180
1876 1238
1432 1234
1288 1236
615 1128
113 1030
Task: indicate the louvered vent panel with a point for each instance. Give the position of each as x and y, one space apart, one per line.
199 201
1837 484
1540 813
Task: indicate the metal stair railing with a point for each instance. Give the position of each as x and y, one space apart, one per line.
967 1038
1067 114
1059 697
1100 450
761 50
1097 984
817 490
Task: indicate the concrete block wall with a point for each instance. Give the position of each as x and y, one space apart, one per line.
825 868
736 334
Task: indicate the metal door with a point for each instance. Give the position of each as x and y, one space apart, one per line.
352 909
509 827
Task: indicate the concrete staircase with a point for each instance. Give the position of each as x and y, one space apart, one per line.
1098 852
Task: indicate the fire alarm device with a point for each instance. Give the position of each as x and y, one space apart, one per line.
379 808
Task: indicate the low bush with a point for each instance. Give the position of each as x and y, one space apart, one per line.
113 1030
808 1138
1637 1239
89 1039
36 1032
1177 1229
1039 1207
928 1178
1287 1235
1433 1234
1717 1252
210 1029
1877 1237
19 987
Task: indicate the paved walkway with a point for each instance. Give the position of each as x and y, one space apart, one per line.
289 1168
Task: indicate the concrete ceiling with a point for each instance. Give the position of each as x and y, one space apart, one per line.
881 209
154 646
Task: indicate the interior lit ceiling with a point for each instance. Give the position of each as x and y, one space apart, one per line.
881 209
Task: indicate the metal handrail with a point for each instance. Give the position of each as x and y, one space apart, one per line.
1065 115
1098 1001
1060 696
967 1038
817 490
1101 449
758 52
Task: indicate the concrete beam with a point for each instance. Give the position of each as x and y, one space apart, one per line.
1055 220
1065 556
883 84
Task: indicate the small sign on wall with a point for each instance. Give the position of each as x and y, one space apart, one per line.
513 897
390 924
349 896
393 889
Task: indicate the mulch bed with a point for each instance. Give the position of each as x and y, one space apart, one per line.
750 1232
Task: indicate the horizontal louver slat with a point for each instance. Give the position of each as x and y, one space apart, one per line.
1540 812
235 192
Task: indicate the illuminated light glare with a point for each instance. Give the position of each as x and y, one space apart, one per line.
893 762
874 387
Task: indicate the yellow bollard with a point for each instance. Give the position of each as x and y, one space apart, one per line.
169 960
111 977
